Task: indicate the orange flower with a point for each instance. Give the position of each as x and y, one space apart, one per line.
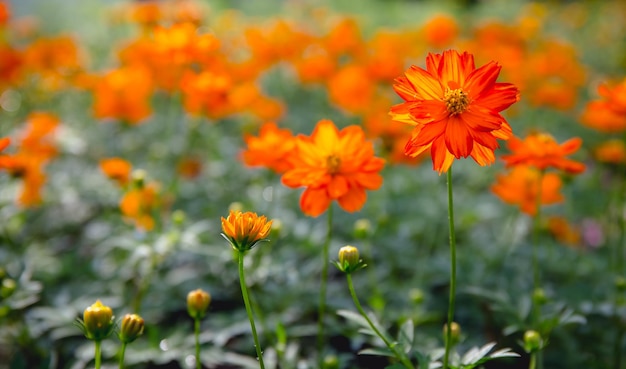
271 149
351 88
440 31
4 142
123 94
520 187
189 167
116 169
564 232
541 151
245 230
611 152
454 108
138 204
609 113
334 165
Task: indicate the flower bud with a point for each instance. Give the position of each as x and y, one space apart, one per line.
455 332
416 295
98 321
620 283
139 178
235 206
7 288
197 303
132 327
362 228
539 296
349 259
179 217
532 341
331 362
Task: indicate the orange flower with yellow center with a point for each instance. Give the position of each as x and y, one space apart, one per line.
455 108
521 187
245 230
334 165
541 151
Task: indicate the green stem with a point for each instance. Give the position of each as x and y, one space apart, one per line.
246 301
533 360
196 329
448 343
324 282
399 355
98 355
536 308
122 354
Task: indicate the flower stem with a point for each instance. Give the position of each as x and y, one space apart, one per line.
122 354
448 343
98 354
537 356
324 282
533 360
196 330
399 355
246 301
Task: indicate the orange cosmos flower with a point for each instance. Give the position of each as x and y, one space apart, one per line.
611 152
116 169
271 149
455 108
351 88
123 94
245 230
609 113
520 187
541 151
564 232
4 142
440 31
138 205
334 165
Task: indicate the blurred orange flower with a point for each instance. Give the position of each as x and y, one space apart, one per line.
139 204
55 59
520 186
440 31
351 88
611 152
541 151
334 165
454 108
123 94
272 148
564 231
608 114
4 143
117 169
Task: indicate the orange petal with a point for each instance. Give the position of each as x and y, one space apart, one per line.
314 202
353 200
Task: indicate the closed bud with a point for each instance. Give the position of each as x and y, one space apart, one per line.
539 296
532 341
197 303
132 327
7 288
98 321
331 362
139 178
455 332
620 283
362 228
349 259
235 206
416 295
178 217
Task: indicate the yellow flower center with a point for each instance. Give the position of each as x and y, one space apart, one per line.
456 101
333 162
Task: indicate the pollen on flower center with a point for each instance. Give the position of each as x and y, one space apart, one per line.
333 162
456 101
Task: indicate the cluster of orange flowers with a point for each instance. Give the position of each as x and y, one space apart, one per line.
35 148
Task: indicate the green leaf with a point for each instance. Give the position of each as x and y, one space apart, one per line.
406 335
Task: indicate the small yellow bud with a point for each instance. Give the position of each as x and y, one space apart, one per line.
331 362
539 296
349 259
179 217
416 295
98 321
132 327
620 283
532 341
362 228
235 206
139 177
455 332
7 288
197 303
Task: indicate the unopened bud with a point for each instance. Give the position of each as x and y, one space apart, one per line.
178 217
349 259
416 295
362 228
139 178
539 296
98 321
620 283
532 341
132 327
455 332
235 206
331 362
7 288
197 303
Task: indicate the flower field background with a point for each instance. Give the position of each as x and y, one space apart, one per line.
133 134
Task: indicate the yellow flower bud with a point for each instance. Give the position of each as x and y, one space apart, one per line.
455 332
132 327
98 321
349 259
362 228
532 341
197 303
7 288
